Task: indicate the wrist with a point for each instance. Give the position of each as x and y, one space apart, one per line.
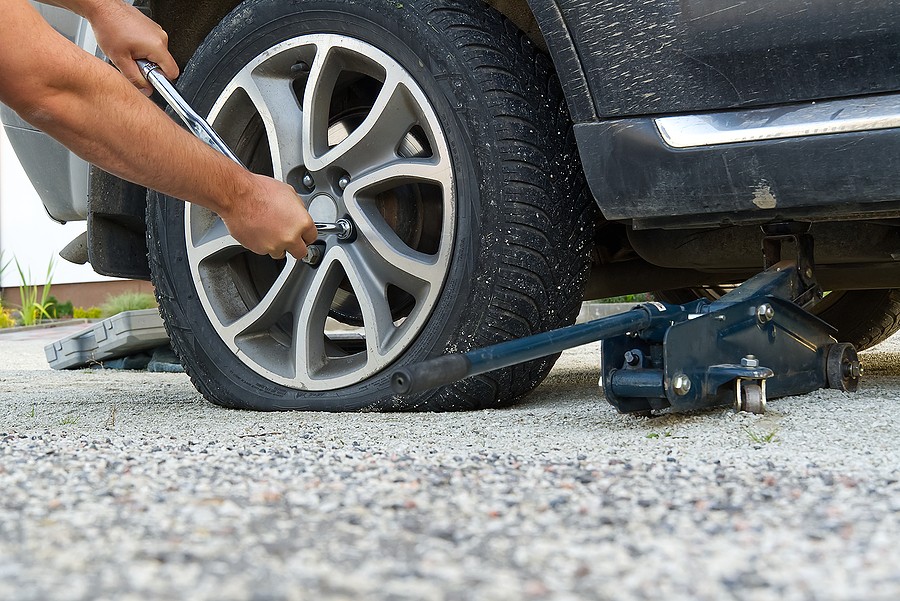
234 191
95 10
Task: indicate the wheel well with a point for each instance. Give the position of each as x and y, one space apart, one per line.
189 22
116 228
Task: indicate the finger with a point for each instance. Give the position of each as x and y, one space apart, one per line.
310 234
166 63
298 251
132 73
128 68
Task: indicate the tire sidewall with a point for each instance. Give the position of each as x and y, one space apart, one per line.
438 69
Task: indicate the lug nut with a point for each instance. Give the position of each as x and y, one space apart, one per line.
765 313
749 361
308 181
681 384
314 254
344 181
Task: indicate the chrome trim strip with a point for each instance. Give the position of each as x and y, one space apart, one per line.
812 119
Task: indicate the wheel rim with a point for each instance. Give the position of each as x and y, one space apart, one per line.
355 135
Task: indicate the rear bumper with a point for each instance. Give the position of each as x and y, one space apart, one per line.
636 176
59 177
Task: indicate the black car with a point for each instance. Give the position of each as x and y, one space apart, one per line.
501 162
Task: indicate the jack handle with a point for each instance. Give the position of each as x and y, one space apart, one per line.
444 370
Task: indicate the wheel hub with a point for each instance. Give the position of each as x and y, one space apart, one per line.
323 208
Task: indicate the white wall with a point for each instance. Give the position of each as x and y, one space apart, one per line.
28 234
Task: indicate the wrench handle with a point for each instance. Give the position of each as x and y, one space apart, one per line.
194 122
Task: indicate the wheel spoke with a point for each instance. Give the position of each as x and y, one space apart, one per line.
433 170
277 301
216 243
371 292
389 257
376 139
309 325
388 260
281 115
316 106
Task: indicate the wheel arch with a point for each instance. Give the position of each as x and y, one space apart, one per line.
188 22
112 221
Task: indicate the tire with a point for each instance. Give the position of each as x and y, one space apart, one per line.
473 222
862 317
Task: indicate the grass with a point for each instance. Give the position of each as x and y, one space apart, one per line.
3 265
665 434
35 299
6 318
69 420
643 297
759 438
129 301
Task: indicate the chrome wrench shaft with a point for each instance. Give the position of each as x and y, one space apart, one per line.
197 124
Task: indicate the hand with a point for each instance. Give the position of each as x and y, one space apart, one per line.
125 35
271 220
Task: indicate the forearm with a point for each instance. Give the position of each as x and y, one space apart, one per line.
92 110
130 134
84 8
82 102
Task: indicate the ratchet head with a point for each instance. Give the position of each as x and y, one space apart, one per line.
342 227
146 67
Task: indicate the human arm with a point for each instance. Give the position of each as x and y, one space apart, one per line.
82 102
125 35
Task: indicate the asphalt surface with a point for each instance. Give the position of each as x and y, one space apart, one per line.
128 485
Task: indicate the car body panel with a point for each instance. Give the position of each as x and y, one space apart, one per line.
636 175
673 56
59 177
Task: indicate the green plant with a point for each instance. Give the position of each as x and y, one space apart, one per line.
6 318
643 297
128 301
35 305
86 313
58 309
759 438
69 420
3 267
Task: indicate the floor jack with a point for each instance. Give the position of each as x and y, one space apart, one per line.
755 343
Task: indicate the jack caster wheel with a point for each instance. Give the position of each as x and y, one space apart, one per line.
750 397
843 368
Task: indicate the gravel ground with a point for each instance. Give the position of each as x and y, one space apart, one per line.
124 485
